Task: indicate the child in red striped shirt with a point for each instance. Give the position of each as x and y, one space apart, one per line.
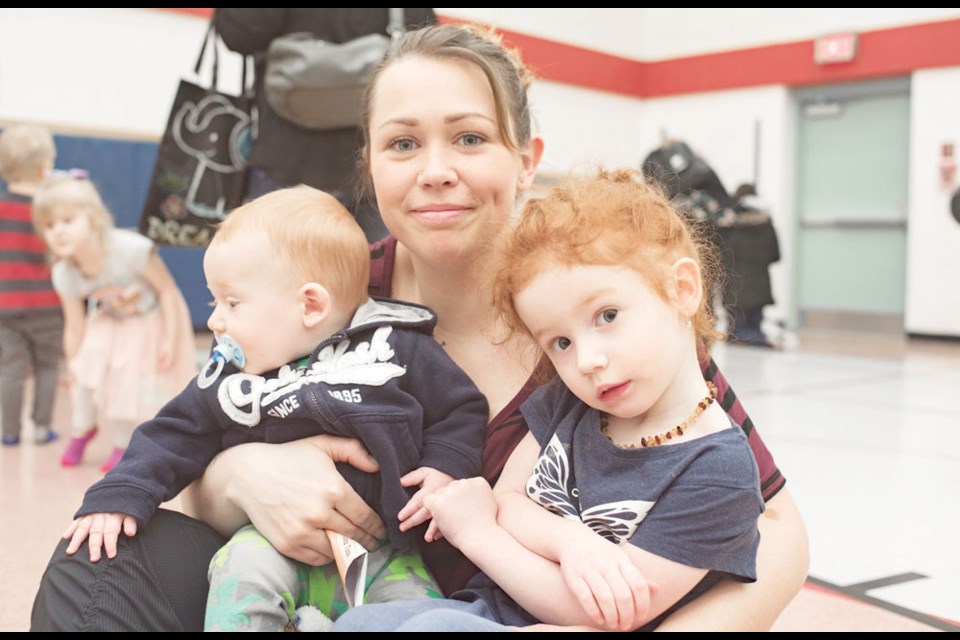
31 319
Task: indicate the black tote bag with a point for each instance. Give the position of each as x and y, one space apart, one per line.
200 173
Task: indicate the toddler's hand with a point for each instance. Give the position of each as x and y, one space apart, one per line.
414 513
165 357
607 584
103 529
464 511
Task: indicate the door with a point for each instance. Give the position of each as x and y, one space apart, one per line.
853 158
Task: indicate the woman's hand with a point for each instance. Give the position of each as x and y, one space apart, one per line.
291 492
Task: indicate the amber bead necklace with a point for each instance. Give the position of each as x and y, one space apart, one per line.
676 432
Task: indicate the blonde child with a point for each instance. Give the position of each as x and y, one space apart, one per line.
31 322
128 339
626 445
302 350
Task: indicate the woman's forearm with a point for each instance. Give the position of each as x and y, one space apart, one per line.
208 498
291 492
782 564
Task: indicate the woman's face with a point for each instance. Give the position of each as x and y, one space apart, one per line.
445 181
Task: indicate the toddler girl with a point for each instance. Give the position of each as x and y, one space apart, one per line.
128 338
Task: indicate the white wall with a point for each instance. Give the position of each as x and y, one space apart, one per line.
582 127
933 236
110 70
614 31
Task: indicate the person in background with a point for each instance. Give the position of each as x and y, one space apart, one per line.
750 246
283 153
449 147
128 339
31 321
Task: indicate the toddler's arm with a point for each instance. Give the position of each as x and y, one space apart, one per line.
103 529
414 513
74 325
158 276
600 574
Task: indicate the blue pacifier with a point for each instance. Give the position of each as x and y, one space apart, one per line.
226 350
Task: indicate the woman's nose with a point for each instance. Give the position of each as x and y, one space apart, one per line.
437 170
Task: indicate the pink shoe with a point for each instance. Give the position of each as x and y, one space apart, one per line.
74 452
112 460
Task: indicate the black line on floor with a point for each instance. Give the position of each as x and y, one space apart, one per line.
857 593
863 587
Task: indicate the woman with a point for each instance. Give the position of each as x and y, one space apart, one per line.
448 148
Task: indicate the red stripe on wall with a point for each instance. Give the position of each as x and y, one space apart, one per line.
569 64
885 52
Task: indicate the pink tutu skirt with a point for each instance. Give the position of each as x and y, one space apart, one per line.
118 359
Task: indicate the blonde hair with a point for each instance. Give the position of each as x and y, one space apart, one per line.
25 150
611 218
78 195
313 234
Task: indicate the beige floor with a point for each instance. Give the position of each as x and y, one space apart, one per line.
840 377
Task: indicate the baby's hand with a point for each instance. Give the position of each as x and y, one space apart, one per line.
607 584
103 529
414 514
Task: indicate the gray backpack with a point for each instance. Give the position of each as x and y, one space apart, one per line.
319 85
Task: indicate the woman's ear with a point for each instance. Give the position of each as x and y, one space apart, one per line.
687 286
315 302
530 160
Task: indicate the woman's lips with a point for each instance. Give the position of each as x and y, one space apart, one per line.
439 212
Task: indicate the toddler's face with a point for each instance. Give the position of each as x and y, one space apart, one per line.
255 300
613 340
66 231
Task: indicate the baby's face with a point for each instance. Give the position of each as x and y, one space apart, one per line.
255 300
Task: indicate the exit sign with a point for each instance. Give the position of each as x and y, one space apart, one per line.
834 48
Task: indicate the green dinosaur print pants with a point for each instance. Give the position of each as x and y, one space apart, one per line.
255 588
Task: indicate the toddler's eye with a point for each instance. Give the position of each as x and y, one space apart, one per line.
607 316
561 344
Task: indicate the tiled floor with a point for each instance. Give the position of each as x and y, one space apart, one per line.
865 428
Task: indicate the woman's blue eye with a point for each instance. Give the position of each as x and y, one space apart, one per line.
607 316
471 139
561 344
404 144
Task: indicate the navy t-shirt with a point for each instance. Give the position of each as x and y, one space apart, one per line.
694 502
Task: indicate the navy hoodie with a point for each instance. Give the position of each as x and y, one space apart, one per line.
383 379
